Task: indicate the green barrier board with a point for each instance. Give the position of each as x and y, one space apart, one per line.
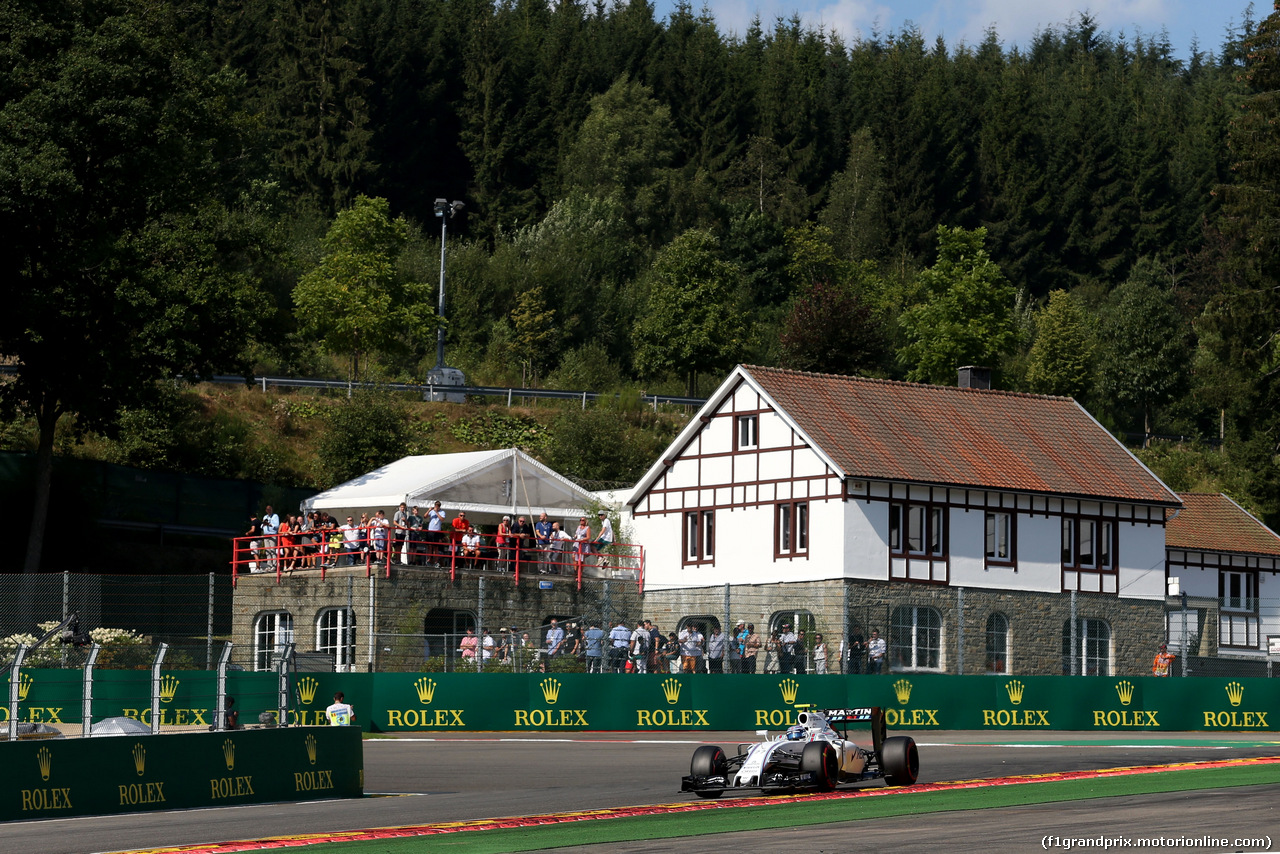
97 776
389 702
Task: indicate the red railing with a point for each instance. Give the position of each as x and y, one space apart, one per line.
381 548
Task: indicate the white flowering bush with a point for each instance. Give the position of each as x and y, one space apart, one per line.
122 649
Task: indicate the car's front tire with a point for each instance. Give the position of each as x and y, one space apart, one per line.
709 761
819 757
900 760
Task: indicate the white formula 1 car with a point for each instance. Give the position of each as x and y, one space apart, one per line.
814 755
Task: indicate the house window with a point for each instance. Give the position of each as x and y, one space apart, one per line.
917 529
792 529
336 635
999 537
1238 620
1088 543
748 431
270 630
997 643
1091 654
915 638
699 536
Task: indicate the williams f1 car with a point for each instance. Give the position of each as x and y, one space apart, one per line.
813 755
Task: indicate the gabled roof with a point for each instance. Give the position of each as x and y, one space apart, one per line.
972 438
1213 522
474 481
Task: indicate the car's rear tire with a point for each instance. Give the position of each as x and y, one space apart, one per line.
900 760
709 761
819 757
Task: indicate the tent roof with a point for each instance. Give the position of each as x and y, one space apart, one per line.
475 481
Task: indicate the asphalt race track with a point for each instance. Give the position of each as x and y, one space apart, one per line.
450 778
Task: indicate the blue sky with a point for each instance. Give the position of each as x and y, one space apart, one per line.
1016 21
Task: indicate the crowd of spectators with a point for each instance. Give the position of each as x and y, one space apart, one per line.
412 537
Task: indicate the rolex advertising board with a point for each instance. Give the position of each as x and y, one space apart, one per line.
93 776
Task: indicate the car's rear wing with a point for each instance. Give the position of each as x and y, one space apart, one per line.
874 714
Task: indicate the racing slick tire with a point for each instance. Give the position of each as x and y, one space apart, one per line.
709 761
820 758
900 760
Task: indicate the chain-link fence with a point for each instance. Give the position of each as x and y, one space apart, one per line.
432 620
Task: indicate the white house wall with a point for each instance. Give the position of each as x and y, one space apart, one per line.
1141 561
866 537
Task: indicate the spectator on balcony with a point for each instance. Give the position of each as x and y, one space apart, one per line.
604 539
435 535
417 538
399 533
255 543
270 527
521 540
560 542
380 535
542 537
471 547
460 525
350 542
503 541
582 539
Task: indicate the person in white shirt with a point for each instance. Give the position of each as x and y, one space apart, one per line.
471 546
560 541
691 649
605 538
350 542
340 713
876 649
486 646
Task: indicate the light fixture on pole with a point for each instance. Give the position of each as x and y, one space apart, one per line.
442 374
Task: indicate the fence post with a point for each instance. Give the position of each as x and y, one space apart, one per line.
86 709
1075 661
348 632
155 687
220 720
372 637
480 622
15 685
208 654
728 623
66 606
960 631
282 683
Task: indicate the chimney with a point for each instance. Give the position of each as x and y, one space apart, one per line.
972 376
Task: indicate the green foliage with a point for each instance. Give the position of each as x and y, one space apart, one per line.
688 325
1144 358
832 330
599 444
492 430
362 434
353 299
966 317
1062 357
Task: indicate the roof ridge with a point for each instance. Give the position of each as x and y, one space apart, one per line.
907 384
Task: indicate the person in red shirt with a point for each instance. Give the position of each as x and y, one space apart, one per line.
460 525
1163 662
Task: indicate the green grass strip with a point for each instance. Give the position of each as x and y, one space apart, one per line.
790 814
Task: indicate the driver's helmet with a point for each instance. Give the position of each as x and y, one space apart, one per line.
795 733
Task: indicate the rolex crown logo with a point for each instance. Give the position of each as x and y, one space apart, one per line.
45 758
789 688
902 690
550 690
168 687
229 754
24 685
671 690
1124 688
307 690
1235 693
311 749
1015 689
426 690
139 759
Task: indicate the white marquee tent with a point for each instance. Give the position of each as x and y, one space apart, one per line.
485 484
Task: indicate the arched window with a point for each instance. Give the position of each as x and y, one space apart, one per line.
270 629
336 636
915 638
998 643
1091 654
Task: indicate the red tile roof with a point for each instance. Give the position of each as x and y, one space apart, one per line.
985 439
1213 522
